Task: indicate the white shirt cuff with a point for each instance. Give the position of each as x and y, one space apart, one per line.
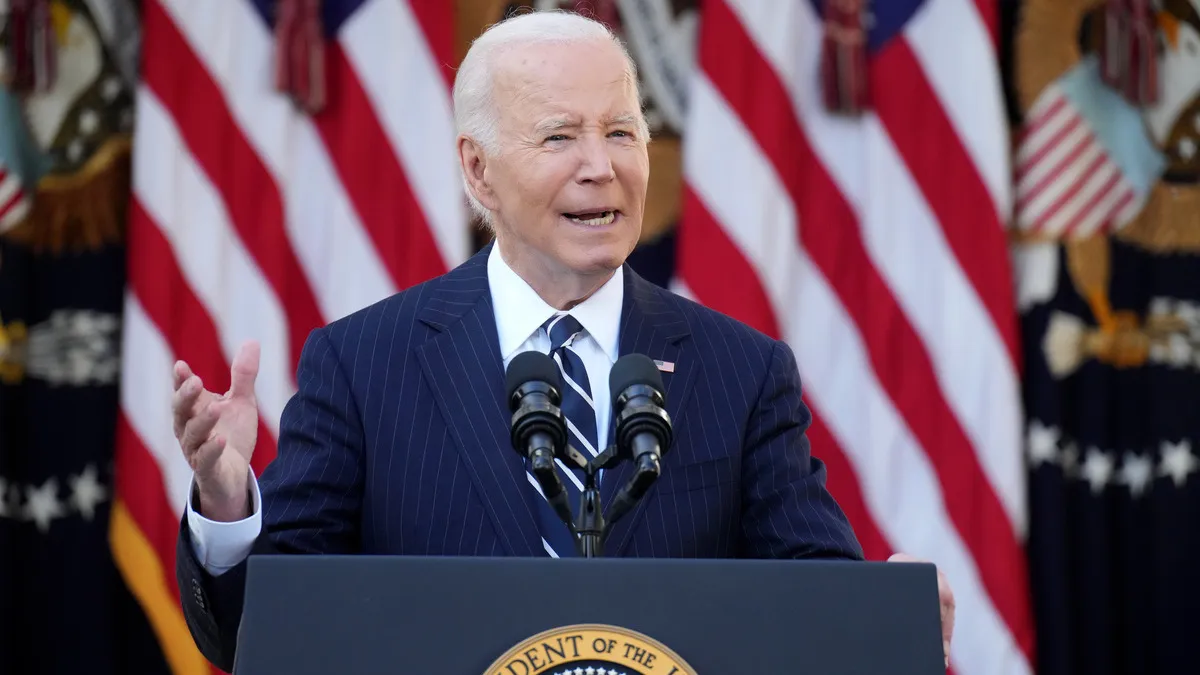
222 546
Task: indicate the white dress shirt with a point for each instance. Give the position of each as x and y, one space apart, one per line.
520 313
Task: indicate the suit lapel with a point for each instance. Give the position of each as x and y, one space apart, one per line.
464 369
654 327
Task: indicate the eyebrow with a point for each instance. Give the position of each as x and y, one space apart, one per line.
627 119
562 122
555 124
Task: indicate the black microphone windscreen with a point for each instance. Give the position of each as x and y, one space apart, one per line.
531 367
634 369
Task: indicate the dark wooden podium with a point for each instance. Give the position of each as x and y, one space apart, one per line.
531 616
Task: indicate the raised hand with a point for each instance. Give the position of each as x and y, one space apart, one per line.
217 433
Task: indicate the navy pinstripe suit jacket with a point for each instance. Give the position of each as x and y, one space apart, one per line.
397 442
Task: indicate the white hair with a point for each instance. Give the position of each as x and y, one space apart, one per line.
475 113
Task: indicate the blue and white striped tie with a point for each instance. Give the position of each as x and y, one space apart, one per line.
580 413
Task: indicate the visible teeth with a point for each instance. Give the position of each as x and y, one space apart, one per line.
603 219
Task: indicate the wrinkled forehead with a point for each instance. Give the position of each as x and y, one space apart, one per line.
539 82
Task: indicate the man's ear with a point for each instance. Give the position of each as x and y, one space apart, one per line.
474 165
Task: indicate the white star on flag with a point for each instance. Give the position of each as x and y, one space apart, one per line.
1097 469
1178 461
1137 472
42 505
1043 443
87 492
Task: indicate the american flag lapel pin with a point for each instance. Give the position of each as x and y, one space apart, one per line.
665 366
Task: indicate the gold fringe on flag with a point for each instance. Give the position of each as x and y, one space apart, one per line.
83 210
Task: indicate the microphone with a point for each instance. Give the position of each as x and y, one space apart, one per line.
643 427
539 430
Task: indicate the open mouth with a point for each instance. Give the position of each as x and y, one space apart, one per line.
593 218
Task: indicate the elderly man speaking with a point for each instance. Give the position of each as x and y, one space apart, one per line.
397 441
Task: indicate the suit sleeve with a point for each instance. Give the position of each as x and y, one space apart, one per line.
311 498
788 512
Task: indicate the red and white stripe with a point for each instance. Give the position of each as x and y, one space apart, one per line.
251 220
876 249
1068 185
14 204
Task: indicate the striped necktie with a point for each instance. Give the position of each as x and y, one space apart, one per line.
580 414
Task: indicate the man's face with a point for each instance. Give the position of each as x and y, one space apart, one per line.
569 182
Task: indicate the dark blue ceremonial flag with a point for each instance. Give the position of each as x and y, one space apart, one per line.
1109 273
1114 452
65 607
65 135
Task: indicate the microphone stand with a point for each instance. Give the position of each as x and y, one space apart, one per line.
588 526
591 525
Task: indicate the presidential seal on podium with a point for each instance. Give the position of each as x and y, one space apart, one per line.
590 649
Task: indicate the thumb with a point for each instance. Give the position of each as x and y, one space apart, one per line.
244 370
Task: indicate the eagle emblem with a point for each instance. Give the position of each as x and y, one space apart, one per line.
1109 151
68 74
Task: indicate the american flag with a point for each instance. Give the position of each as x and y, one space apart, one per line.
1082 166
14 205
876 247
253 220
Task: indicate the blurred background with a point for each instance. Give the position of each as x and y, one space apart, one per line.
976 222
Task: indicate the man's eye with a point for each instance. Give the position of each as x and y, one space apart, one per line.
620 133
556 137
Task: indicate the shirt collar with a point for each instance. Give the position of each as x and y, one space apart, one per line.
520 311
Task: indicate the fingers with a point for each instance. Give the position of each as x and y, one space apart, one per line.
183 401
197 431
182 372
945 601
205 457
946 598
244 370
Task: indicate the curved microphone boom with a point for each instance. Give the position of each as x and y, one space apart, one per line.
643 427
539 430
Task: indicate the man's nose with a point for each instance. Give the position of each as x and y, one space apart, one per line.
595 165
